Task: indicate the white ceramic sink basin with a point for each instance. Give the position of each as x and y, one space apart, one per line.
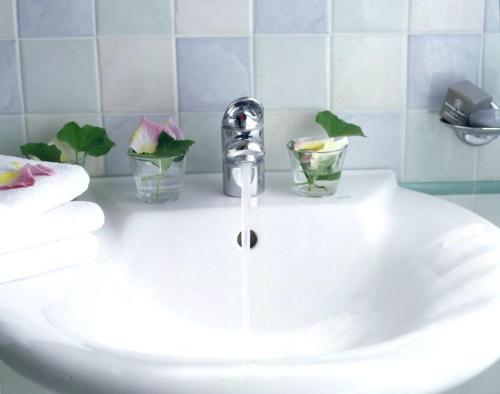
376 290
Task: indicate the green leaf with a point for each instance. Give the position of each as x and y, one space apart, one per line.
97 141
88 139
336 127
330 177
42 152
167 147
70 133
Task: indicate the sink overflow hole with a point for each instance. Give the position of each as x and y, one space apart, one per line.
253 238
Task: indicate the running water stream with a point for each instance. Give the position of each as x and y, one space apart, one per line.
246 196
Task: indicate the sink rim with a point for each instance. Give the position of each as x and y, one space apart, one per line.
368 355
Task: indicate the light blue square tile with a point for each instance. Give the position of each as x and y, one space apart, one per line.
120 128
369 15
55 18
59 76
433 152
435 62
206 154
297 16
11 134
10 92
291 72
491 65
382 147
492 16
7 30
212 72
119 17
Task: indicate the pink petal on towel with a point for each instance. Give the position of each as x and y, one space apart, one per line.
39 169
24 179
26 176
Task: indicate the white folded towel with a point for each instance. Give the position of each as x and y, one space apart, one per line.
68 220
68 182
36 261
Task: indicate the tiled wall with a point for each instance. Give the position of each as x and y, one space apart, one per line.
385 64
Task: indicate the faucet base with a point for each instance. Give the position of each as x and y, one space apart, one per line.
232 180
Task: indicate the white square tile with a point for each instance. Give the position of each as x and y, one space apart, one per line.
446 15
291 72
11 134
137 74
369 15
367 71
433 152
281 127
43 128
491 65
212 17
6 19
382 147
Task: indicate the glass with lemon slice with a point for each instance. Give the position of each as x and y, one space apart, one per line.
317 164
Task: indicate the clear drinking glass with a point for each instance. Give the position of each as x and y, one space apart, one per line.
159 180
316 174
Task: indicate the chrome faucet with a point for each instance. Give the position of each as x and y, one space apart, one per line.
243 142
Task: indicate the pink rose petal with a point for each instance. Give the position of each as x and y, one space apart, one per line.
24 179
39 169
27 175
173 130
145 138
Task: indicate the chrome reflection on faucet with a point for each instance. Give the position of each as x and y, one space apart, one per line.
243 142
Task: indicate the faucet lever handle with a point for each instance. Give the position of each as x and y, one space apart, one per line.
243 115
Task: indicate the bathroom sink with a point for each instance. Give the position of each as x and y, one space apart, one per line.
377 289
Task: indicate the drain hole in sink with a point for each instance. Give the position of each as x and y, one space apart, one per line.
253 238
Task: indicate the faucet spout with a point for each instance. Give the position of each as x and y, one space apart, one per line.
242 142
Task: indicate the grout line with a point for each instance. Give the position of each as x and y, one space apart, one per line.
223 35
251 48
481 56
444 33
68 38
19 71
405 88
97 64
101 167
477 150
111 113
329 58
204 113
174 56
